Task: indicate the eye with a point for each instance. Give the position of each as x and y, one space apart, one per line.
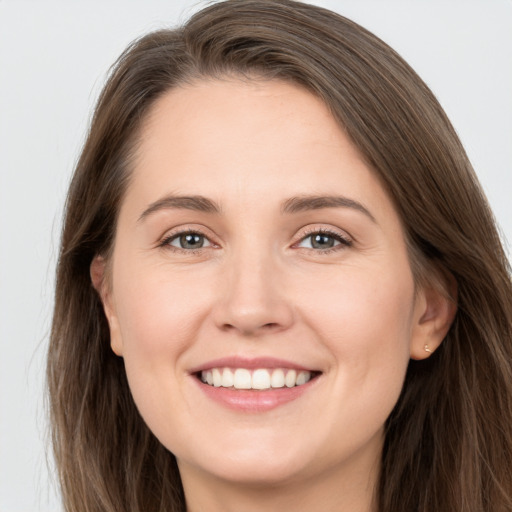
323 240
188 241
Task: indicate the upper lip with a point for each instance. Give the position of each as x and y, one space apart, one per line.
251 363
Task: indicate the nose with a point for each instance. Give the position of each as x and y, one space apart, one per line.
253 300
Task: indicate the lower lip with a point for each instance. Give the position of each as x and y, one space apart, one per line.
252 400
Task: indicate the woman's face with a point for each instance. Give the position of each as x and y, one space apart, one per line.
256 249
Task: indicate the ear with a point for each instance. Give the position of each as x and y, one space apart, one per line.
98 272
435 309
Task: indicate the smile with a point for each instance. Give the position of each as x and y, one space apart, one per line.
258 379
254 385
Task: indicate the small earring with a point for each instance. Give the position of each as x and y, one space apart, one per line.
427 349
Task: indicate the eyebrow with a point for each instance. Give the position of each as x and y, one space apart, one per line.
305 203
290 206
196 203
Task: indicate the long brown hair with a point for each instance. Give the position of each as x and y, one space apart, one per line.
448 444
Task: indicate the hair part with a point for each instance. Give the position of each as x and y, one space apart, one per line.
448 440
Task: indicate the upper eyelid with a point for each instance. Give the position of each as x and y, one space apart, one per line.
307 231
180 230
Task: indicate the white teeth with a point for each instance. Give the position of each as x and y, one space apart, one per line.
290 379
260 379
302 378
277 380
217 377
242 378
227 378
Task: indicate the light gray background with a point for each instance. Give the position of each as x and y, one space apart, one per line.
53 60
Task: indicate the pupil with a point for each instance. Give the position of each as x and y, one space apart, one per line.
322 241
191 241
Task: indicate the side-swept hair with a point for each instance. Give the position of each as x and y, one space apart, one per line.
448 441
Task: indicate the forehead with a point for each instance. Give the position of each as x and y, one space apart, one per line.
212 118
247 140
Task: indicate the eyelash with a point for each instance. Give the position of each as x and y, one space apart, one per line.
344 241
166 242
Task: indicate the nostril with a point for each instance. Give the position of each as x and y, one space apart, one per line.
252 318
249 329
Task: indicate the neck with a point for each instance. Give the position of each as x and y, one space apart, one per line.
340 489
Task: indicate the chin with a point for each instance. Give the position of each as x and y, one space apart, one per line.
273 471
249 459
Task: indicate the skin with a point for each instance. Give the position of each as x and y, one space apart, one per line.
259 288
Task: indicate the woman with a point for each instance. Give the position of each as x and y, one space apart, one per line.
280 285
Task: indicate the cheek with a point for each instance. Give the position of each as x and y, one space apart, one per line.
356 301
157 309
366 324
159 315
159 318
365 319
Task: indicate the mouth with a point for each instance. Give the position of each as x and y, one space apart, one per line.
257 385
258 379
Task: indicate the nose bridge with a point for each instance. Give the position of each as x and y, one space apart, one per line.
253 298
